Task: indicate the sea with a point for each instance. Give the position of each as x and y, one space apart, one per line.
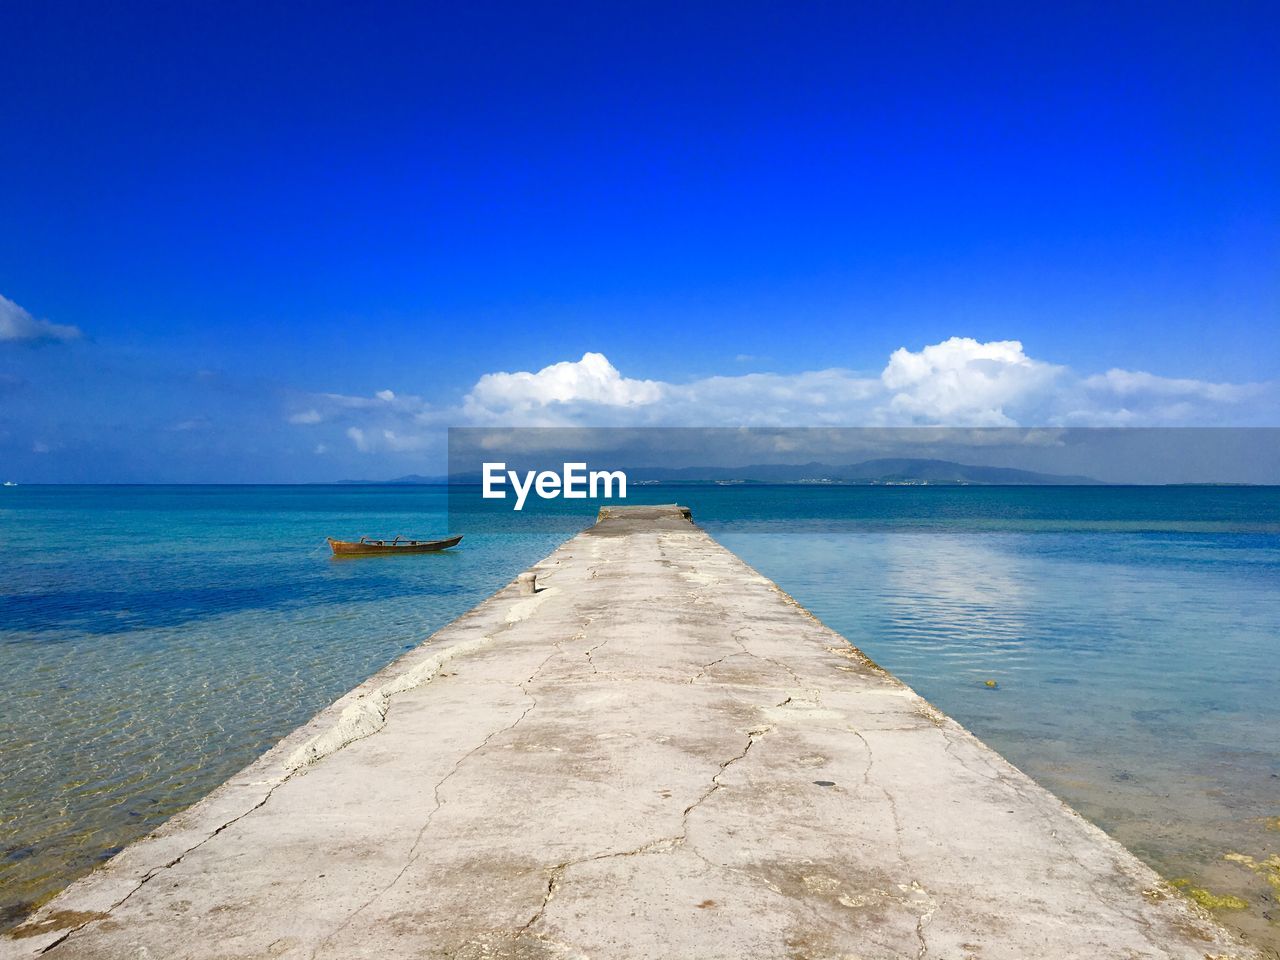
1121 645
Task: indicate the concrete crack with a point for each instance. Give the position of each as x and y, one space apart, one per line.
921 921
715 781
888 797
156 871
557 872
414 854
587 653
702 672
782 665
552 882
367 714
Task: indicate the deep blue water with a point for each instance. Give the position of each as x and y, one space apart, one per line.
153 640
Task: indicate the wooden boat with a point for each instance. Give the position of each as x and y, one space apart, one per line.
367 545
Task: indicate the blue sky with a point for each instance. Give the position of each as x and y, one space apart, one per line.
295 243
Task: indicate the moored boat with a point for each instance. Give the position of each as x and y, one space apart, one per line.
368 545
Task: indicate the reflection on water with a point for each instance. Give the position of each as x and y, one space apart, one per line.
1137 675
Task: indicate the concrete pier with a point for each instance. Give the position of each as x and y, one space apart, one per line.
656 754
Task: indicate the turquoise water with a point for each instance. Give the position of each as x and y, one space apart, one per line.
154 640
1133 636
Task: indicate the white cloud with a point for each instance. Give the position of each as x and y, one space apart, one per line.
400 442
591 381
358 438
410 438
16 324
1137 398
1129 383
196 423
960 382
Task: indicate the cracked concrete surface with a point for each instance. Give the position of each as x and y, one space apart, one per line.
658 755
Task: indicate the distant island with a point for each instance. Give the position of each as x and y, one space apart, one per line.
894 471
901 471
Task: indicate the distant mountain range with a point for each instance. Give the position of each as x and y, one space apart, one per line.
893 471
897 470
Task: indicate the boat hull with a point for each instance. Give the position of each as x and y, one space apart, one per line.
347 548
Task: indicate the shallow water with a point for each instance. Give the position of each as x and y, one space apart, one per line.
1137 673
160 638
